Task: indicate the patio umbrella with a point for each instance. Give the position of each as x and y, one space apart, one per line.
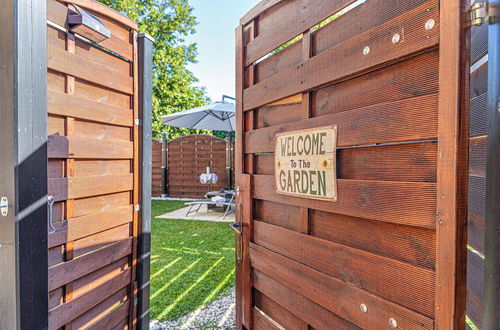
219 116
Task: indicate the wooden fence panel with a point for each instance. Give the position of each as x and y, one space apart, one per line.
93 171
478 140
389 252
188 157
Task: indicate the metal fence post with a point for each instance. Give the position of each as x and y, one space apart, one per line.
492 237
23 165
145 47
164 165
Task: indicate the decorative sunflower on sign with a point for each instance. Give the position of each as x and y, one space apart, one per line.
326 163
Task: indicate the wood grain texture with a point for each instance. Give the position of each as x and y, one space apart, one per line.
78 107
412 287
65 62
282 316
406 243
76 147
406 162
72 188
347 59
57 13
70 310
360 19
98 313
76 228
410 78
285 21
76 268
451 211
312 313
410 120
337 296
402 203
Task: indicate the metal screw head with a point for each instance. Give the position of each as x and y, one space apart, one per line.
393 323
396 38
366 50
363 308
430 24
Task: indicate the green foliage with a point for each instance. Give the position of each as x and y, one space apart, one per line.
168 22
192 263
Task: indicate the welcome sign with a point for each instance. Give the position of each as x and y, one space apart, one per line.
305 163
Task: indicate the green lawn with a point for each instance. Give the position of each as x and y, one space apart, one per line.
192 263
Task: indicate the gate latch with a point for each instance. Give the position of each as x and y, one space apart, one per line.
4 206
482 12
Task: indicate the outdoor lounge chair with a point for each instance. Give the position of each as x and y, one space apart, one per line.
230 205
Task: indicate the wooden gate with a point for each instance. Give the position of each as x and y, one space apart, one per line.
93 170
390 252
188 157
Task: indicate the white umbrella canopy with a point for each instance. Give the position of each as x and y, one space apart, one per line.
219 116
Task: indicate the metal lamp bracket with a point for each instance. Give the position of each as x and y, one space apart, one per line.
87 25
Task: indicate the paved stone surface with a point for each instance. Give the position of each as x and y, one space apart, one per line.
220 314
202 214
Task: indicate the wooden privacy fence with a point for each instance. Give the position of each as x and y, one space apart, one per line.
93 166
390 251
187 157
477 173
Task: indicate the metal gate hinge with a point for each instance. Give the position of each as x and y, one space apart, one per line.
138 122
482 12
137 207
4 206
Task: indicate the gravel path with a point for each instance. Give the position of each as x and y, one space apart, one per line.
220 314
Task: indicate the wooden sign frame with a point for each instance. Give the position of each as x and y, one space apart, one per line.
326 162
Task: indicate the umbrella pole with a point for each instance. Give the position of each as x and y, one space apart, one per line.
229 165
164 166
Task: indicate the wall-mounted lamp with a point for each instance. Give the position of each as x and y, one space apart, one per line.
87 25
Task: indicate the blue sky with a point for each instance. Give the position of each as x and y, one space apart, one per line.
215 38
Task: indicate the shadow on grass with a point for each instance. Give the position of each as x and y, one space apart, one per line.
192 263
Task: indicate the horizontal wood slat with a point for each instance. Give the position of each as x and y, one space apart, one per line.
86 206
65 62
414 245
57 13
262 322
347 59
100 240
76 228
71 270
76 147
312 313
479 115
409 162
70 310
281 315
113 318
287 20
410 120
364 17
476 233
72 188
477 196
477 156
339 297
104 308
63 104
412 288
403 203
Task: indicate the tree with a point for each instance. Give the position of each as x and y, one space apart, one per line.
168 22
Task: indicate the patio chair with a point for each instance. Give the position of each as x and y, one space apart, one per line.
195 206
